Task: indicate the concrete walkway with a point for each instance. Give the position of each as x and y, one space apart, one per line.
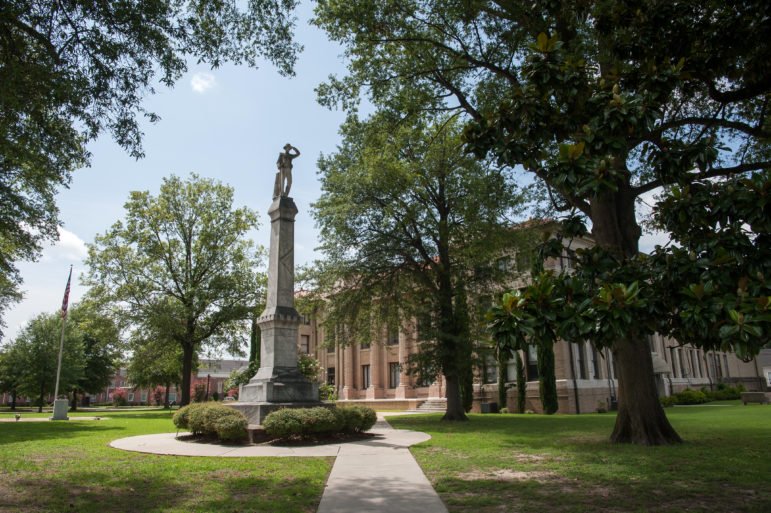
373 475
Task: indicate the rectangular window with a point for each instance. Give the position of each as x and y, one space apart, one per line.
392 337
503 264
330 376
331 348
532 364
365 344
305 344
130 397
365 376
424 326
394 373
523 261
144 397
595 363
581 360
683 368
172 397
511 370
491 370
725 362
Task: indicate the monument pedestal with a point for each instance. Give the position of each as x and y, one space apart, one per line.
278 383
61 406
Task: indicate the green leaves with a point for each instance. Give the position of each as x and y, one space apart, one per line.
179 268
73 70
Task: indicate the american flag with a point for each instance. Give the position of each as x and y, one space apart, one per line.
66 295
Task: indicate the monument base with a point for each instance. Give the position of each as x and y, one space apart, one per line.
279 385
257 411
60 409
273 388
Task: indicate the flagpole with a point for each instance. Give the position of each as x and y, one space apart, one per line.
61 340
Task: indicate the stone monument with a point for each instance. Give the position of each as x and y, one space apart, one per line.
279 383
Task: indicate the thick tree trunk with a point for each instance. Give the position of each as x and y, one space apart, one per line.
187 370
13 400
74 404
455 409
166 397
641 418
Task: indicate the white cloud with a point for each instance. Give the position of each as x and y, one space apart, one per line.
70 247
202 82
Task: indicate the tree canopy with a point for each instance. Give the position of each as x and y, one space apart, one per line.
36 350
405 218
603 102
180 268
73 69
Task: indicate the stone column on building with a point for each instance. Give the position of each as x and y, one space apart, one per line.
349 385
375 390
404 390
436 389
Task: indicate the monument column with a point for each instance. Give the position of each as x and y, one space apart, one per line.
279 383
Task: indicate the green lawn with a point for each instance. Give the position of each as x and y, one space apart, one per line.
68 467
564 463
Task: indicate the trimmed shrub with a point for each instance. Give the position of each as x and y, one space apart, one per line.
356 419
231 428
284 423
668 402
180 418
305 422
724 392
689 396
212 419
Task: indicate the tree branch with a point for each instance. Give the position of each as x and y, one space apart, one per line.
711 173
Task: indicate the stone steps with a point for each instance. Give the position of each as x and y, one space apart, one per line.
433 405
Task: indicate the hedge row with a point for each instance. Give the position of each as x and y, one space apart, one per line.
212 419
307 422
688 396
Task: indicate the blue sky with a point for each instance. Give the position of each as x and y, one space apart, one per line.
228 124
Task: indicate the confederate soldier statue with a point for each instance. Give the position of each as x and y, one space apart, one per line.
284 176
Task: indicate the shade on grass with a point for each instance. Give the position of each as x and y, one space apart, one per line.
68 466
565 463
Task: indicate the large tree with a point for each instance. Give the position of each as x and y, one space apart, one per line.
155 361
11 372
405 219
102 348
72 69
37 349
602 102
180 267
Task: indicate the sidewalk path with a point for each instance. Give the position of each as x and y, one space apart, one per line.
374 475
378 477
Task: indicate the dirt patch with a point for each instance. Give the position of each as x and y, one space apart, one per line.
541 476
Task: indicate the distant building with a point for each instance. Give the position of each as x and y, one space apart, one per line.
375 373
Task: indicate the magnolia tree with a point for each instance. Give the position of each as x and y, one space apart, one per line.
601 103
